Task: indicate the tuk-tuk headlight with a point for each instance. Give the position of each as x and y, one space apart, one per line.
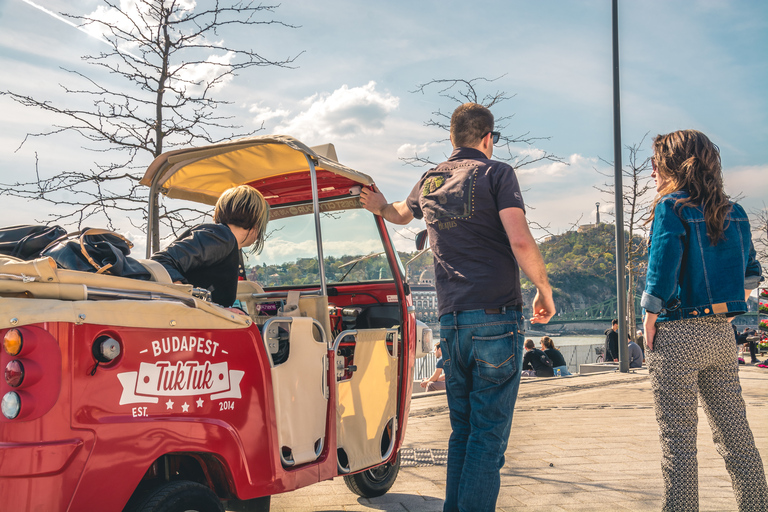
11 405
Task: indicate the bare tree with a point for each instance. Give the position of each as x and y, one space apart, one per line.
760 234
168 60
637 198
459 91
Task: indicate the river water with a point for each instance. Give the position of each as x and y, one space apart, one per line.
564 341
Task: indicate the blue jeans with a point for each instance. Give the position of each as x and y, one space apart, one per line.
482 361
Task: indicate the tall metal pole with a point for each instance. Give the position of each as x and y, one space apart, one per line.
621 290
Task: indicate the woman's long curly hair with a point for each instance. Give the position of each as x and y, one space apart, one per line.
689 161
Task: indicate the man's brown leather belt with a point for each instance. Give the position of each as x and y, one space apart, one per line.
503 309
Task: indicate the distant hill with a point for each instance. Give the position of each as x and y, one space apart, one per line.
581 266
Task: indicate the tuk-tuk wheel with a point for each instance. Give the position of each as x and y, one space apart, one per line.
375 481
179 496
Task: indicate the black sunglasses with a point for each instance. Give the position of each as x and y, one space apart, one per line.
495 136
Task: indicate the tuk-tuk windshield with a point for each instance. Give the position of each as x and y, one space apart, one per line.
352 249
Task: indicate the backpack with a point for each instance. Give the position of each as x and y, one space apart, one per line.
27 242
545 360
99 251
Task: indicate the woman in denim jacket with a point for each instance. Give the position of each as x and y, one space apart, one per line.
701 269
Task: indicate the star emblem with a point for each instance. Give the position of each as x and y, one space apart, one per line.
199 402
185 407
169 404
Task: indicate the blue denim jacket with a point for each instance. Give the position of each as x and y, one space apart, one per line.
687 276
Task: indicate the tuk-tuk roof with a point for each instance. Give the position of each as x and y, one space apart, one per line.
202 174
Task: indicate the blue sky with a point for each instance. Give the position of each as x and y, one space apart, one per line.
684 64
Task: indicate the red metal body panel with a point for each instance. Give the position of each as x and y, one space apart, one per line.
146 404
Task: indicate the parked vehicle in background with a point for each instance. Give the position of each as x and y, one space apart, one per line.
122 394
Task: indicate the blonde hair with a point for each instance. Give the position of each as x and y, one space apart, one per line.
689 161
244 206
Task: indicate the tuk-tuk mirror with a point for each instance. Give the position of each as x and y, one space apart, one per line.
421 240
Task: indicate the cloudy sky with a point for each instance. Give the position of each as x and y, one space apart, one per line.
684 64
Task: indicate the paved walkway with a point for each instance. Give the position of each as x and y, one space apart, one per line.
577 444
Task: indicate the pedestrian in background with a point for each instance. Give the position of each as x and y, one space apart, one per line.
480 240
701 269
554 355
640 340
436 381
635 355
612 342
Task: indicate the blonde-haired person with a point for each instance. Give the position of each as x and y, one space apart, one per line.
701 268
208 255
554 355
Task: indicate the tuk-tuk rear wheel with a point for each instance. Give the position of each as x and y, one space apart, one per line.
375 481
179 496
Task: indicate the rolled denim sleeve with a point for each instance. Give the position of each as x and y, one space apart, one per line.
666 255
754 272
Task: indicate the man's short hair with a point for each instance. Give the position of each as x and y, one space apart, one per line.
614 321
529 344
469 123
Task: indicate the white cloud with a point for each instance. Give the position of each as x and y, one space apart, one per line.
574 164
196 76
263 114
342 114
408 149
748 184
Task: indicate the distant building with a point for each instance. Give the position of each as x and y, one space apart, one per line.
425 301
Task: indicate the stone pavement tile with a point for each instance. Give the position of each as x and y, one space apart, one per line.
710 493
643 506
527 499
714 482
596 477
394 497
388 507
644 494
595 506
528 508
327 500
598 496
550 488
289 501
717 504
556 476
508 499
304 509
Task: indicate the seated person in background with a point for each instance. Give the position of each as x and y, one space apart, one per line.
635 355
535 362
208 255
640 340
437 380
554 355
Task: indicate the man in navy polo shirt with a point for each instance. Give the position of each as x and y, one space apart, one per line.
480 239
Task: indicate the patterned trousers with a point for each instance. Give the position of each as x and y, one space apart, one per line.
691 358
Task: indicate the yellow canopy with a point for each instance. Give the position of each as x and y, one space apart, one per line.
202 174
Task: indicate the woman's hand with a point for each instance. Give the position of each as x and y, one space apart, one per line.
649 326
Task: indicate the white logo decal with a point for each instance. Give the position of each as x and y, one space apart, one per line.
185 378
